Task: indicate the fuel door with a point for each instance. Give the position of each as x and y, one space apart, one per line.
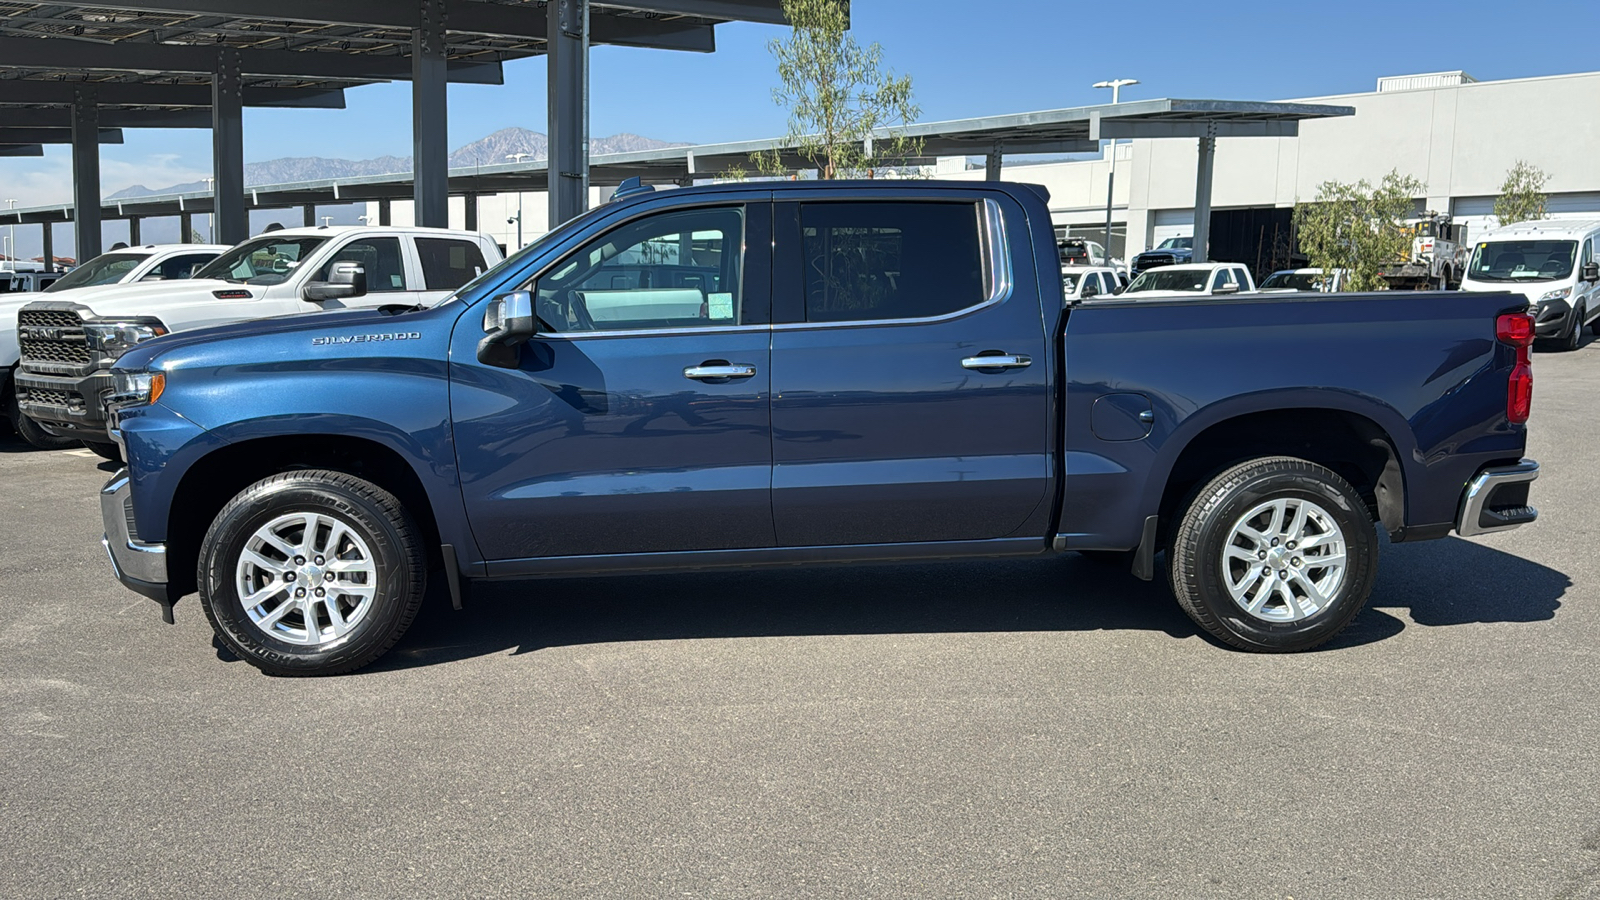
1122 417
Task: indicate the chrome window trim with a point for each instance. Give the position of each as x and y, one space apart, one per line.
995 257
646 332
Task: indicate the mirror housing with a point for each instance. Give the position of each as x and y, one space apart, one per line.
345 280
1591 271
1090 290
507 324
1226 289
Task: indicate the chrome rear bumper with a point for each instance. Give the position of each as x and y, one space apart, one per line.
1497 500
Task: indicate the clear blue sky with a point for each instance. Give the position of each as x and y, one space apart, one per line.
965 58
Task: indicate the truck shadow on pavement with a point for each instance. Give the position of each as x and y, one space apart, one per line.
1447 582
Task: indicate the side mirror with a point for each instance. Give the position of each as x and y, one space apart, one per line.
1591 271
1226 289
507 325
345 280
1091 290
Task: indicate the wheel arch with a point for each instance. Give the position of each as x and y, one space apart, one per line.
215 478
1353 442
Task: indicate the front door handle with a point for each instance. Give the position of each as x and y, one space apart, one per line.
1008 361
719 371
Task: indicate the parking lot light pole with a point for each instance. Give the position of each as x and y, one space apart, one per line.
518 157
1116 87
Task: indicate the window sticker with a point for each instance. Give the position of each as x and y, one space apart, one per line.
720 306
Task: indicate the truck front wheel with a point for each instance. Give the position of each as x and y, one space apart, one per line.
1274 555
32 431
311 573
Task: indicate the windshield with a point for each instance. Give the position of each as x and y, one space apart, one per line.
1293 281
107 269
527 252
1176 244
1170 280
1523 261
264 260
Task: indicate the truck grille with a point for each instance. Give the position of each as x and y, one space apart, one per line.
47 397
62 341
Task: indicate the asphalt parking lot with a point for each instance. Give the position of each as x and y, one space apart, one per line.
1041 729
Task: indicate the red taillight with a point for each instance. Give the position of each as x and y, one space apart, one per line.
1516 329
1519 394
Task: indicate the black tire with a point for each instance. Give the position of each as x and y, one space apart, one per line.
372 514
1574 333
1199 572
105 450
31 431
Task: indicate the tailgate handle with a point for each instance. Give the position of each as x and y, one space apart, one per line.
1007 361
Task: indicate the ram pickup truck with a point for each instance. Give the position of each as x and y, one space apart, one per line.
125 265
771 374
69 343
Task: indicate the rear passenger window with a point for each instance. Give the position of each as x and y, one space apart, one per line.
448 264
866 261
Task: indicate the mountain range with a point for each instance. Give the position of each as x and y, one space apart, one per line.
492 150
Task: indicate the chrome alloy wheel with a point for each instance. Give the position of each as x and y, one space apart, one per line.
306 578
1284 560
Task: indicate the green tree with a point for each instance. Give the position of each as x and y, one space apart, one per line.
1522 197
1358 227
838 94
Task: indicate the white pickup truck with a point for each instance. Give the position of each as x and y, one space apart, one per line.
125 265
1190 281
69 345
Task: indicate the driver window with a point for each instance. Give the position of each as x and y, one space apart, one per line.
672 270
380 257
1224 276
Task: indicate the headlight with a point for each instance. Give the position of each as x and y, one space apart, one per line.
136 388
1556 295
117 338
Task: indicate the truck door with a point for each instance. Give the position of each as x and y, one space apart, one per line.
638 420
387 279
910 394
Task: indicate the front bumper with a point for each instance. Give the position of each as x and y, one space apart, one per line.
66 405
1497 500
1550 318
140 566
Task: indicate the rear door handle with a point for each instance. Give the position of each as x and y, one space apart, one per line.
1010 361
720 371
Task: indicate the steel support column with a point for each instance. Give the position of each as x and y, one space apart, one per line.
185 228
308 216
385 212
86 171
430 158
568 44
133 231
993 164
471 223
230 219
49 247
1202 197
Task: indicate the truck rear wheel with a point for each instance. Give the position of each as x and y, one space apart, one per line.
32 431
311 573
1274 555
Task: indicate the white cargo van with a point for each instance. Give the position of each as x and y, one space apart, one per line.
1551 262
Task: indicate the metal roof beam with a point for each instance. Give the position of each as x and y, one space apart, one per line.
768 12
21 149
143 94
52 135
525 20
66 54
16 117
1115 129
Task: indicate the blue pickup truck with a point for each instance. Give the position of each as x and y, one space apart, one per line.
767 374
